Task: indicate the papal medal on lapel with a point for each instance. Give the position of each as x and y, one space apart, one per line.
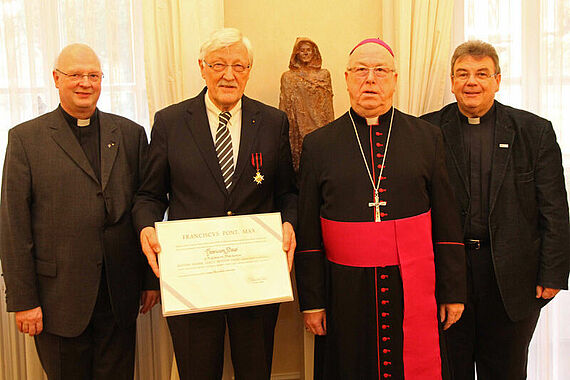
257 162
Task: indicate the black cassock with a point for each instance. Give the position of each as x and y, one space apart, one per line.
365 305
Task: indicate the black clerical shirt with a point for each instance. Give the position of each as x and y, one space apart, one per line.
478 142
88 138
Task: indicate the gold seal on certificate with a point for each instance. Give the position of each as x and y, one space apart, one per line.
222 263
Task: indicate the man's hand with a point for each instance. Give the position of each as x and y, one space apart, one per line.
149 298
546 293
30 321
316 322
450 313
150 247
289 243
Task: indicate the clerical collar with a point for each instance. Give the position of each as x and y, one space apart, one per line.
478 120
75 122
384 118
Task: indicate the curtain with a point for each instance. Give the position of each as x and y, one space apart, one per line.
173 33
421 47
532 39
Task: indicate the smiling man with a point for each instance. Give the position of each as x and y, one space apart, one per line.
374 191
506 170
71 260
202 165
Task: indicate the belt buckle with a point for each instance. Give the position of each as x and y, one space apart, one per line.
474 243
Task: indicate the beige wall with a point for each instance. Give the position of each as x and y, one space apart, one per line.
272 26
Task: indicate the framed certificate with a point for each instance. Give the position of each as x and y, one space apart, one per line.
222 263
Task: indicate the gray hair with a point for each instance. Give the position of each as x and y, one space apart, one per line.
476 48
223 38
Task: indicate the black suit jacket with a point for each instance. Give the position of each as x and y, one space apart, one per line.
184 175
59 223
528 209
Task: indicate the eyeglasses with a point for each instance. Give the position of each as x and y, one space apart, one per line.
219 67
76 77
362 71
480 76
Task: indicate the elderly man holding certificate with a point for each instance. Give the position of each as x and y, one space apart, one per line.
220 154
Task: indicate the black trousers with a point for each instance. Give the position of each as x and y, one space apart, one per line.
104 351
485 337
198 341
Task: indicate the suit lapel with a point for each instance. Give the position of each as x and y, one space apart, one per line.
250 124
197 122
109 145
451 130
503 145
64 137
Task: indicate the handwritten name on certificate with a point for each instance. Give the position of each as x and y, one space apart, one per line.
222 263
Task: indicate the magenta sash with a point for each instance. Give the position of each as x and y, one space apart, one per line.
405 242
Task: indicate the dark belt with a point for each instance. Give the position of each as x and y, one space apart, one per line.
475 244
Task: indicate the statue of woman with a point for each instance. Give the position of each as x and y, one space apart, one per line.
306 94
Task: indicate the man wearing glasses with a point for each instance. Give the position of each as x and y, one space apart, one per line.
71 260
506 170
220 153
380 255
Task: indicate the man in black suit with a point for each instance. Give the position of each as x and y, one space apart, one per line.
70 256
506 170
205 157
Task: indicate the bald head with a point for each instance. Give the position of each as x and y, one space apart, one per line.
77 75
76 52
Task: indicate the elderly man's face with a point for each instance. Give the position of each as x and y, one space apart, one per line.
473 86
371 95
78 97
226 87
305 53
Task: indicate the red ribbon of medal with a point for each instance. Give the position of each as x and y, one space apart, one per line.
257 163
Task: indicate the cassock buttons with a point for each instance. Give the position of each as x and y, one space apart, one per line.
387 363
385 302
378 145
385 338
387 375
381 190
383 276
385 314
383 214
386 351
385 327
378 134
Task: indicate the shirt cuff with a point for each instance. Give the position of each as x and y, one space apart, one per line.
313 311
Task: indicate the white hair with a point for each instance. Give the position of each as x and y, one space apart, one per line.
223 38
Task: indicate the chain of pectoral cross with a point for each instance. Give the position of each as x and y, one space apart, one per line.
377 202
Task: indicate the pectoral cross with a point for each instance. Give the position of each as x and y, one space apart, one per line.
376 204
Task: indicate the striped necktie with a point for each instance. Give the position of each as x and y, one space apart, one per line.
224 149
